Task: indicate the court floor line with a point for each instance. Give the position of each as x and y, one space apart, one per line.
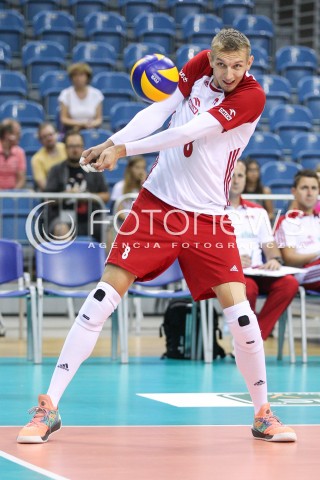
30 466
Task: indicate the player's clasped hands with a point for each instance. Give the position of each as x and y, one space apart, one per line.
95 160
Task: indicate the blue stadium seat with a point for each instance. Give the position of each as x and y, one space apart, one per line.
12 28
50 85
277 90
40 56
310 163
5 55
32 7
81 8
261 65
116 87
27 112
55 26
295 62
229 10
135 51
106 27
288 120
306 146
309 95
186 52
13 86
279 173
123 112
159 28
93 136
180 9
258 28
132 8
201 28
264 147
99 55
30 143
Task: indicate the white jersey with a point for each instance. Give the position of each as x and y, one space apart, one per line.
82 109
252 229
196 177
299 231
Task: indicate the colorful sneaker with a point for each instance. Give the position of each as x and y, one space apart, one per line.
45 421
267 426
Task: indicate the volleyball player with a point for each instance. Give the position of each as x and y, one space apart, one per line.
215 108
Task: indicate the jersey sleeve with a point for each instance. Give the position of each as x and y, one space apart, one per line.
244 105
194 69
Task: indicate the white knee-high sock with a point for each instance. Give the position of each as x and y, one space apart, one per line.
249 350
81 339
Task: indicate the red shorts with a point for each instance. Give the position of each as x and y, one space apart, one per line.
154 234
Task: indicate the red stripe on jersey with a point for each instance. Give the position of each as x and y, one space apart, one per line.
230 167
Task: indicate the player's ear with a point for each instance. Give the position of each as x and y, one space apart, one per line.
250 61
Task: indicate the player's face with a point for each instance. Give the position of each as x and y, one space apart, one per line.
229 68
238 181
306 193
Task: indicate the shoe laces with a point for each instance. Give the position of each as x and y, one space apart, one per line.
39 413
271 419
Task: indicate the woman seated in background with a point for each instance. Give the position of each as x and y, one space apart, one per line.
254 185
80 104
134 176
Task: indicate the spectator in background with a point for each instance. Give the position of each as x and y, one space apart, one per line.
254 239
69 177
317 207
298 232
80 104
254 185
134 176
13 163
51 153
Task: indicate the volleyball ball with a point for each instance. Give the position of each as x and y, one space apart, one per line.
154 78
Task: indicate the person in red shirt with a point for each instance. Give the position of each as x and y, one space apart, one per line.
13 163
181 207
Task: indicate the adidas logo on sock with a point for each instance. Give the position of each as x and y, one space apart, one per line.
234 269
64 366
260 382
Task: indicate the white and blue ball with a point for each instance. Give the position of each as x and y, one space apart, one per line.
154 78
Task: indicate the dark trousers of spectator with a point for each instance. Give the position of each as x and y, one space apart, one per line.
280 293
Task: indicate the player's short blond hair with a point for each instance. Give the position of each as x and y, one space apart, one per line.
229 40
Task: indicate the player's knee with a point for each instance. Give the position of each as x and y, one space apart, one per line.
292 284
247 333
99 305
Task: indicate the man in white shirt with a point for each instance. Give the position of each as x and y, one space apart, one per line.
298 232
258 249
181 213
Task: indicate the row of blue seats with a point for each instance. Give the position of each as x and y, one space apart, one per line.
284 120
116 86
292 62
130 9
112 28
267 146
